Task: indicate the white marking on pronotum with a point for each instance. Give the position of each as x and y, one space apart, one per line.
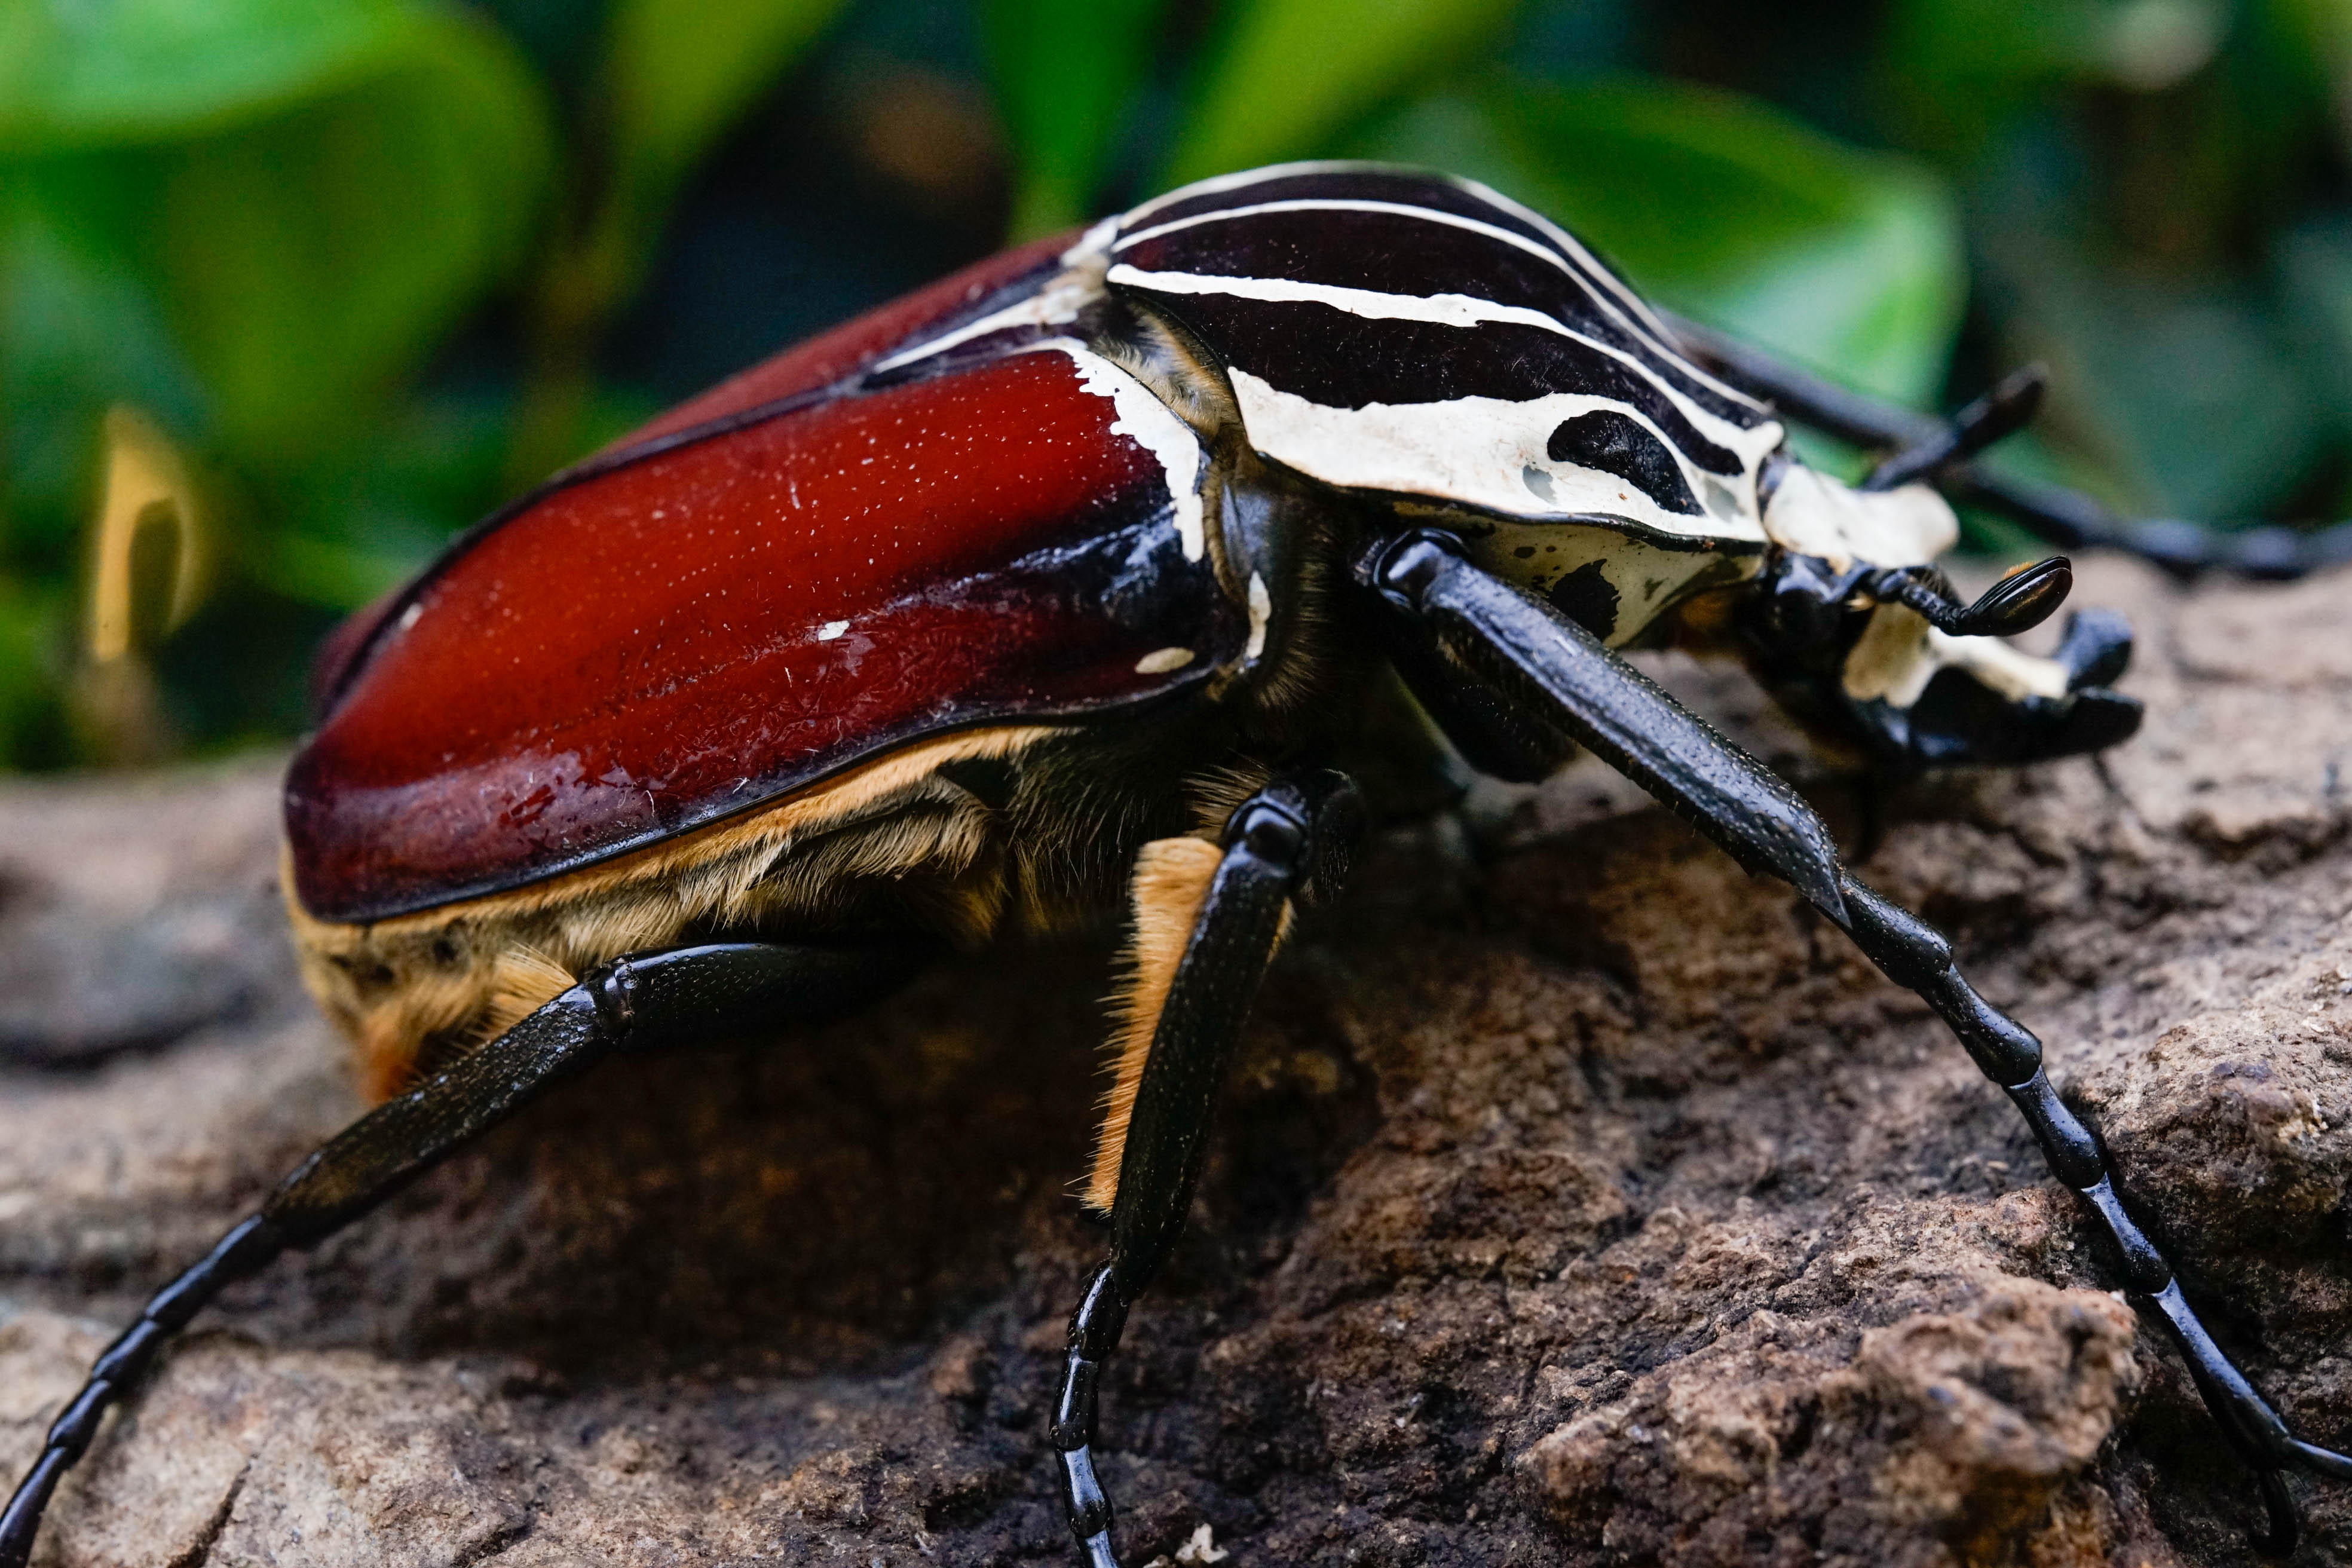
1354 205
1261 611
1571 257
1466 311
1444 310
1149 423
1475 450
1094 243
830 630
1160 661
1217 184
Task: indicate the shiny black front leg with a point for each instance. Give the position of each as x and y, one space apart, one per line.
1292 836
1530 653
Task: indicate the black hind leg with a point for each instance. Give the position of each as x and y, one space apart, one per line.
1532 654
646 1003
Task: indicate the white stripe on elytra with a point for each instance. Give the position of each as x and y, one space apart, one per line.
1443 310
1149 423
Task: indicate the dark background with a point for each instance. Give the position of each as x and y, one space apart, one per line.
292 289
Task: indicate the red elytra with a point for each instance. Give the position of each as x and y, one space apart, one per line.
829 357
695 633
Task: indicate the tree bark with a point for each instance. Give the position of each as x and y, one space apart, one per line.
1578 1200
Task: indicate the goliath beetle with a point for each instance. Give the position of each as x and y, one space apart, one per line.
1075 568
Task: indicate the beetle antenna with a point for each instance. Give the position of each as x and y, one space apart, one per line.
2018 602
2003 411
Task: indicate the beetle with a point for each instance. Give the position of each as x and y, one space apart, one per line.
1074 570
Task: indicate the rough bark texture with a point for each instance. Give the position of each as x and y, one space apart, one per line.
1578 1200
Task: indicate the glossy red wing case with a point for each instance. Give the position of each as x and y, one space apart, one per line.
706 624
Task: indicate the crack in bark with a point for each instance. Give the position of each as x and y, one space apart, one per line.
200 1551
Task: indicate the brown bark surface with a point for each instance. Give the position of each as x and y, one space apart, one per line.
1578 1201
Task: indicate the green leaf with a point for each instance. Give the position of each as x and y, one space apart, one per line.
33 620
1992 45
308 258
1065 71
680 72
1719 206
109 72
2200 396
78 331
1290 74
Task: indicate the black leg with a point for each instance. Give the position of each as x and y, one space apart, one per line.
645 1003
1937 451
1535 655
1290 837
1499 740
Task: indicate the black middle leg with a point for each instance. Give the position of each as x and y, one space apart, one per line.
1292 836
1532 654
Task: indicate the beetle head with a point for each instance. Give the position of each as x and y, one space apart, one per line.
1860 635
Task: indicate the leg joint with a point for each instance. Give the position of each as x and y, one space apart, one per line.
2145 1270
1073 1411
614 990
1083 1495
1911 951
1094 1327
2004 1050
1304 827
2066 1143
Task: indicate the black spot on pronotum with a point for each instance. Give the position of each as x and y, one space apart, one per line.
1614 443
1589 598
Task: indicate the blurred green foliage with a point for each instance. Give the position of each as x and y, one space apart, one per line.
372 266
